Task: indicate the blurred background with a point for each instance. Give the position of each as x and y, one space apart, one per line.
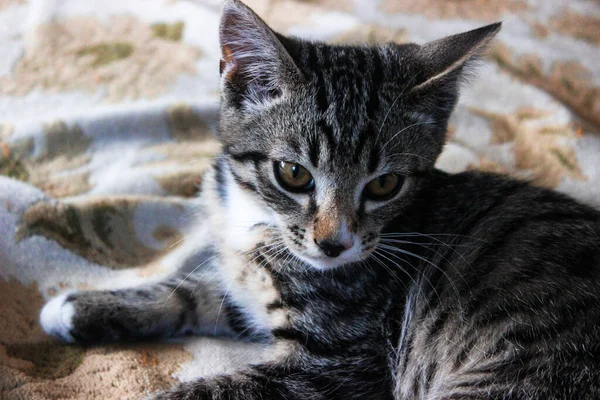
107 113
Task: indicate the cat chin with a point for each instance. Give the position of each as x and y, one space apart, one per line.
324 263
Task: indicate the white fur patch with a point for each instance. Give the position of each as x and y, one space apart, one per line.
57 318
243 212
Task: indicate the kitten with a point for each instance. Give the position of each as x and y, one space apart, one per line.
334 238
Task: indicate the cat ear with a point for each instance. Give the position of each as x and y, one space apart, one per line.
255 67
445 59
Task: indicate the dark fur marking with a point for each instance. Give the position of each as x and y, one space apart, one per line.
244 184
376 81
254 156
220 178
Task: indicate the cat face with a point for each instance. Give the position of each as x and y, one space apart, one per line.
331 140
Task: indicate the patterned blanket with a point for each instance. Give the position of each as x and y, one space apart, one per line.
107 115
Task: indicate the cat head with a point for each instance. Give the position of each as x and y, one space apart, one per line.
326 143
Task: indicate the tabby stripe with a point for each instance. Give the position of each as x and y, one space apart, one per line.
275 305
312 60
438 325
360 60
499 243
322 102
244 184
313 149
313 208
290 334
186 297
362 140
340 348
463 355
501 200
328 131
373 159
236 319
254 156
431 370
527 335
376 81
220 178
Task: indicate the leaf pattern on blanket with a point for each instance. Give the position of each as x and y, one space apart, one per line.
125 56
484 10
105 230
569 81
584 27
543 153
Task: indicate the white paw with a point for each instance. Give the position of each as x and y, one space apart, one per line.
57 318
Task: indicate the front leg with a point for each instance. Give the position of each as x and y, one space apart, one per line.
312 378
179 305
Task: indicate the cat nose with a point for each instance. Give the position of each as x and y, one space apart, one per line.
331 248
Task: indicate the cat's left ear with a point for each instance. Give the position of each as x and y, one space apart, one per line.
255 66
444 61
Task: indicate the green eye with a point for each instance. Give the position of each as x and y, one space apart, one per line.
293 177
384 187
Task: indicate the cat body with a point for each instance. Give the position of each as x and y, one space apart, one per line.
326 232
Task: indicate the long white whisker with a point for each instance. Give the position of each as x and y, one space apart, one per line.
402 130
394 103
408 154
431 235
429 248
390 249
187 276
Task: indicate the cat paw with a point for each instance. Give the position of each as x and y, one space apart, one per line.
57 318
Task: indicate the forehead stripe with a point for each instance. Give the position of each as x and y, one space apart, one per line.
376 81
362 140
313 148
328 131
254 156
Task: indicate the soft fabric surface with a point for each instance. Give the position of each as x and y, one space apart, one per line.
107 112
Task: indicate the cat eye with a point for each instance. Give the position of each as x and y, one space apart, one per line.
384 187
293 177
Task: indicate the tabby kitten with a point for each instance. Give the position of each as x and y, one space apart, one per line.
333 238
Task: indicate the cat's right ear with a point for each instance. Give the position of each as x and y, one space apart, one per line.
255 67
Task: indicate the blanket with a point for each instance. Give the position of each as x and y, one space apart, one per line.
107 122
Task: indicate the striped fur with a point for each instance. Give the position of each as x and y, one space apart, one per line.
459 286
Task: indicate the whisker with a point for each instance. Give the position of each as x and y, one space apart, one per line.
450 281
431 235
402 130
411 80
374 255
384 239
381 251
188 275
431 249
408 154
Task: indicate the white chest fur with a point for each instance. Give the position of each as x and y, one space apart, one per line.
236 223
